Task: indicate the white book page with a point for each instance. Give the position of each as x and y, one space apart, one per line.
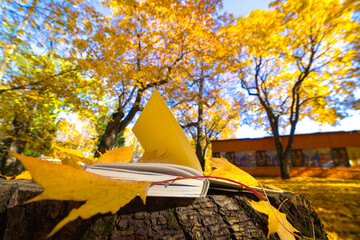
179 188
161 168
131 175
219 182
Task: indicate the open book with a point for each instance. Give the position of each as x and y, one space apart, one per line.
168 155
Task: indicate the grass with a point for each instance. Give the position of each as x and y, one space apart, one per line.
336 201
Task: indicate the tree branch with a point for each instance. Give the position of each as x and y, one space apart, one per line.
38 82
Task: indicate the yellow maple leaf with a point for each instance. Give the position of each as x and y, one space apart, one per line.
62 182
25 175
275 226
71 161
119 154
222 168
72 157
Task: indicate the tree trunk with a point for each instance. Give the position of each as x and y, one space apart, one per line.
10 165
220 215
282 155
113 128
200 123
284 166
4 147
117 124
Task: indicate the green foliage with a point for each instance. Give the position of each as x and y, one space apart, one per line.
36 83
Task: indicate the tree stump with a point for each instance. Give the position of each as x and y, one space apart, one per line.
220 215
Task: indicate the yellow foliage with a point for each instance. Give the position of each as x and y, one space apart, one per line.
292 57
25 175
63 182
77 132
274 225
222 168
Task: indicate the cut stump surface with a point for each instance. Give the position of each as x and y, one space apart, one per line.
220 215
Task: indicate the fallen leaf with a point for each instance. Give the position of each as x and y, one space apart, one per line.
25 175
270 186
72 152
62 182
119 154
222 168
72 157
71 161
274 224
7 177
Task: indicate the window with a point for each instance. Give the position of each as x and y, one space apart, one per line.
230 156
261 158
340 157
297 158
216 155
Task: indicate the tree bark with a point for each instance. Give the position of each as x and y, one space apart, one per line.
200 123
220 215
9 164
284 166
113 128
117 124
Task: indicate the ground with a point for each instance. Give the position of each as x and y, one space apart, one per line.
335 200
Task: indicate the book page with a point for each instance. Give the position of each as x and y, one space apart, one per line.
215 183
162 137
147 168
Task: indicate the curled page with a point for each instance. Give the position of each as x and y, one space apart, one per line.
161 136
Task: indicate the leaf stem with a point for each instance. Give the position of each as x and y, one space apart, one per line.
281 222
211 177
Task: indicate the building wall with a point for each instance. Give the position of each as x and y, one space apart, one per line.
315 150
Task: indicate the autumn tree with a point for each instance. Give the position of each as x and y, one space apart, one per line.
354 38
201 101
137 47
294 60
206 115
36 83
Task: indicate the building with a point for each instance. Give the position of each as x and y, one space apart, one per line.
331 149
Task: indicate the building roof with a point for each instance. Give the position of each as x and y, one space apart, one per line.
301 141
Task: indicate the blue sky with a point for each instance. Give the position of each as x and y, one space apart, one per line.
242 8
